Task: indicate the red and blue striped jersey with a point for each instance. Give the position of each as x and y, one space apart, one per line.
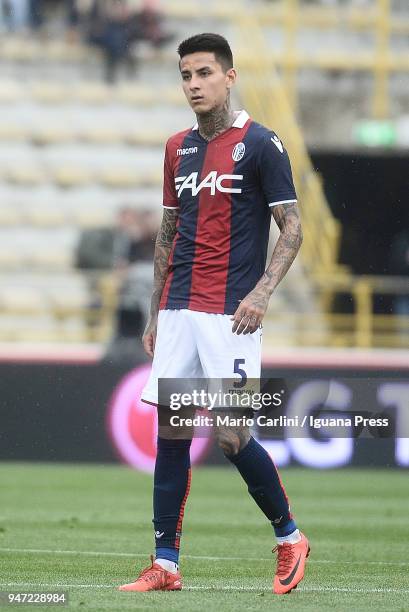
223 190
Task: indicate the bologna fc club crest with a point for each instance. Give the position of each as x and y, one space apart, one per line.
132 424
238 151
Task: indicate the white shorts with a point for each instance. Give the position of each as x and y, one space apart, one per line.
192 344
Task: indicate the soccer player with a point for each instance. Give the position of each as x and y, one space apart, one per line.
223 179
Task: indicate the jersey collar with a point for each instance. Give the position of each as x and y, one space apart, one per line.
239 122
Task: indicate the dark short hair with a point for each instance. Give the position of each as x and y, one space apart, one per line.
212 43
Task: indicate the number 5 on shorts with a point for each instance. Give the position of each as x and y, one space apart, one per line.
241 372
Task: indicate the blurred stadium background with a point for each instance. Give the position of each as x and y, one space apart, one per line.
89 93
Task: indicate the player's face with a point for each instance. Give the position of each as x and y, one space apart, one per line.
205 83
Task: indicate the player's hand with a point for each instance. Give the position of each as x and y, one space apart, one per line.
250 313
149 336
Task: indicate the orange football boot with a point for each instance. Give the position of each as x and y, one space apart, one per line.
290 565
154 578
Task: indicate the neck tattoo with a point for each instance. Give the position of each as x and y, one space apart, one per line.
217 121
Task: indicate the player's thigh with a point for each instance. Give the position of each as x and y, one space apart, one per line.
225 355
176 354
222 353
175 357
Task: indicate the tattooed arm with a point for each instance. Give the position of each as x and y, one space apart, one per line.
163 245
252 309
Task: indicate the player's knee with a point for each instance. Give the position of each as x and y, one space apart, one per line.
175 433
232 443
229 445
167 430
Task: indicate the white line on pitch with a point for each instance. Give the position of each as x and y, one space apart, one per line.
211 587
96 553
301 589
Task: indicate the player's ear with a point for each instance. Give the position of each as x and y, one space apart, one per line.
231 76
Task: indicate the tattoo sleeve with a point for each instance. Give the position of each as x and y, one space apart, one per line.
163 245
287 217
231 438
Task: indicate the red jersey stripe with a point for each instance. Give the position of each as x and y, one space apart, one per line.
211 265
177 141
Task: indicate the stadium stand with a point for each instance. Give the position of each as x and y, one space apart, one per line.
73 149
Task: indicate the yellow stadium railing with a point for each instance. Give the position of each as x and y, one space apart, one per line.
293 16
361 327
377 18
273 101
265 97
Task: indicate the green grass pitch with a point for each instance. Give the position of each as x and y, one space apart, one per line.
86 529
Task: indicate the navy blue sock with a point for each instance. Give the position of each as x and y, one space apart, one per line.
170 491
264 485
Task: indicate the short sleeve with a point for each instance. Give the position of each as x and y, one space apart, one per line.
274 170
170 199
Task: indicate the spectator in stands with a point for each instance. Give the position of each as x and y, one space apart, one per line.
133 239
14 14
115 27
108 30
115 249
147 24
127 250
133 263
20 15
36 14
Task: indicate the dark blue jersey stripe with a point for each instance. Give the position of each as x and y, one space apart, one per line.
250 228
183 256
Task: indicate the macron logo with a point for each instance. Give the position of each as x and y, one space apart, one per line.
186 151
